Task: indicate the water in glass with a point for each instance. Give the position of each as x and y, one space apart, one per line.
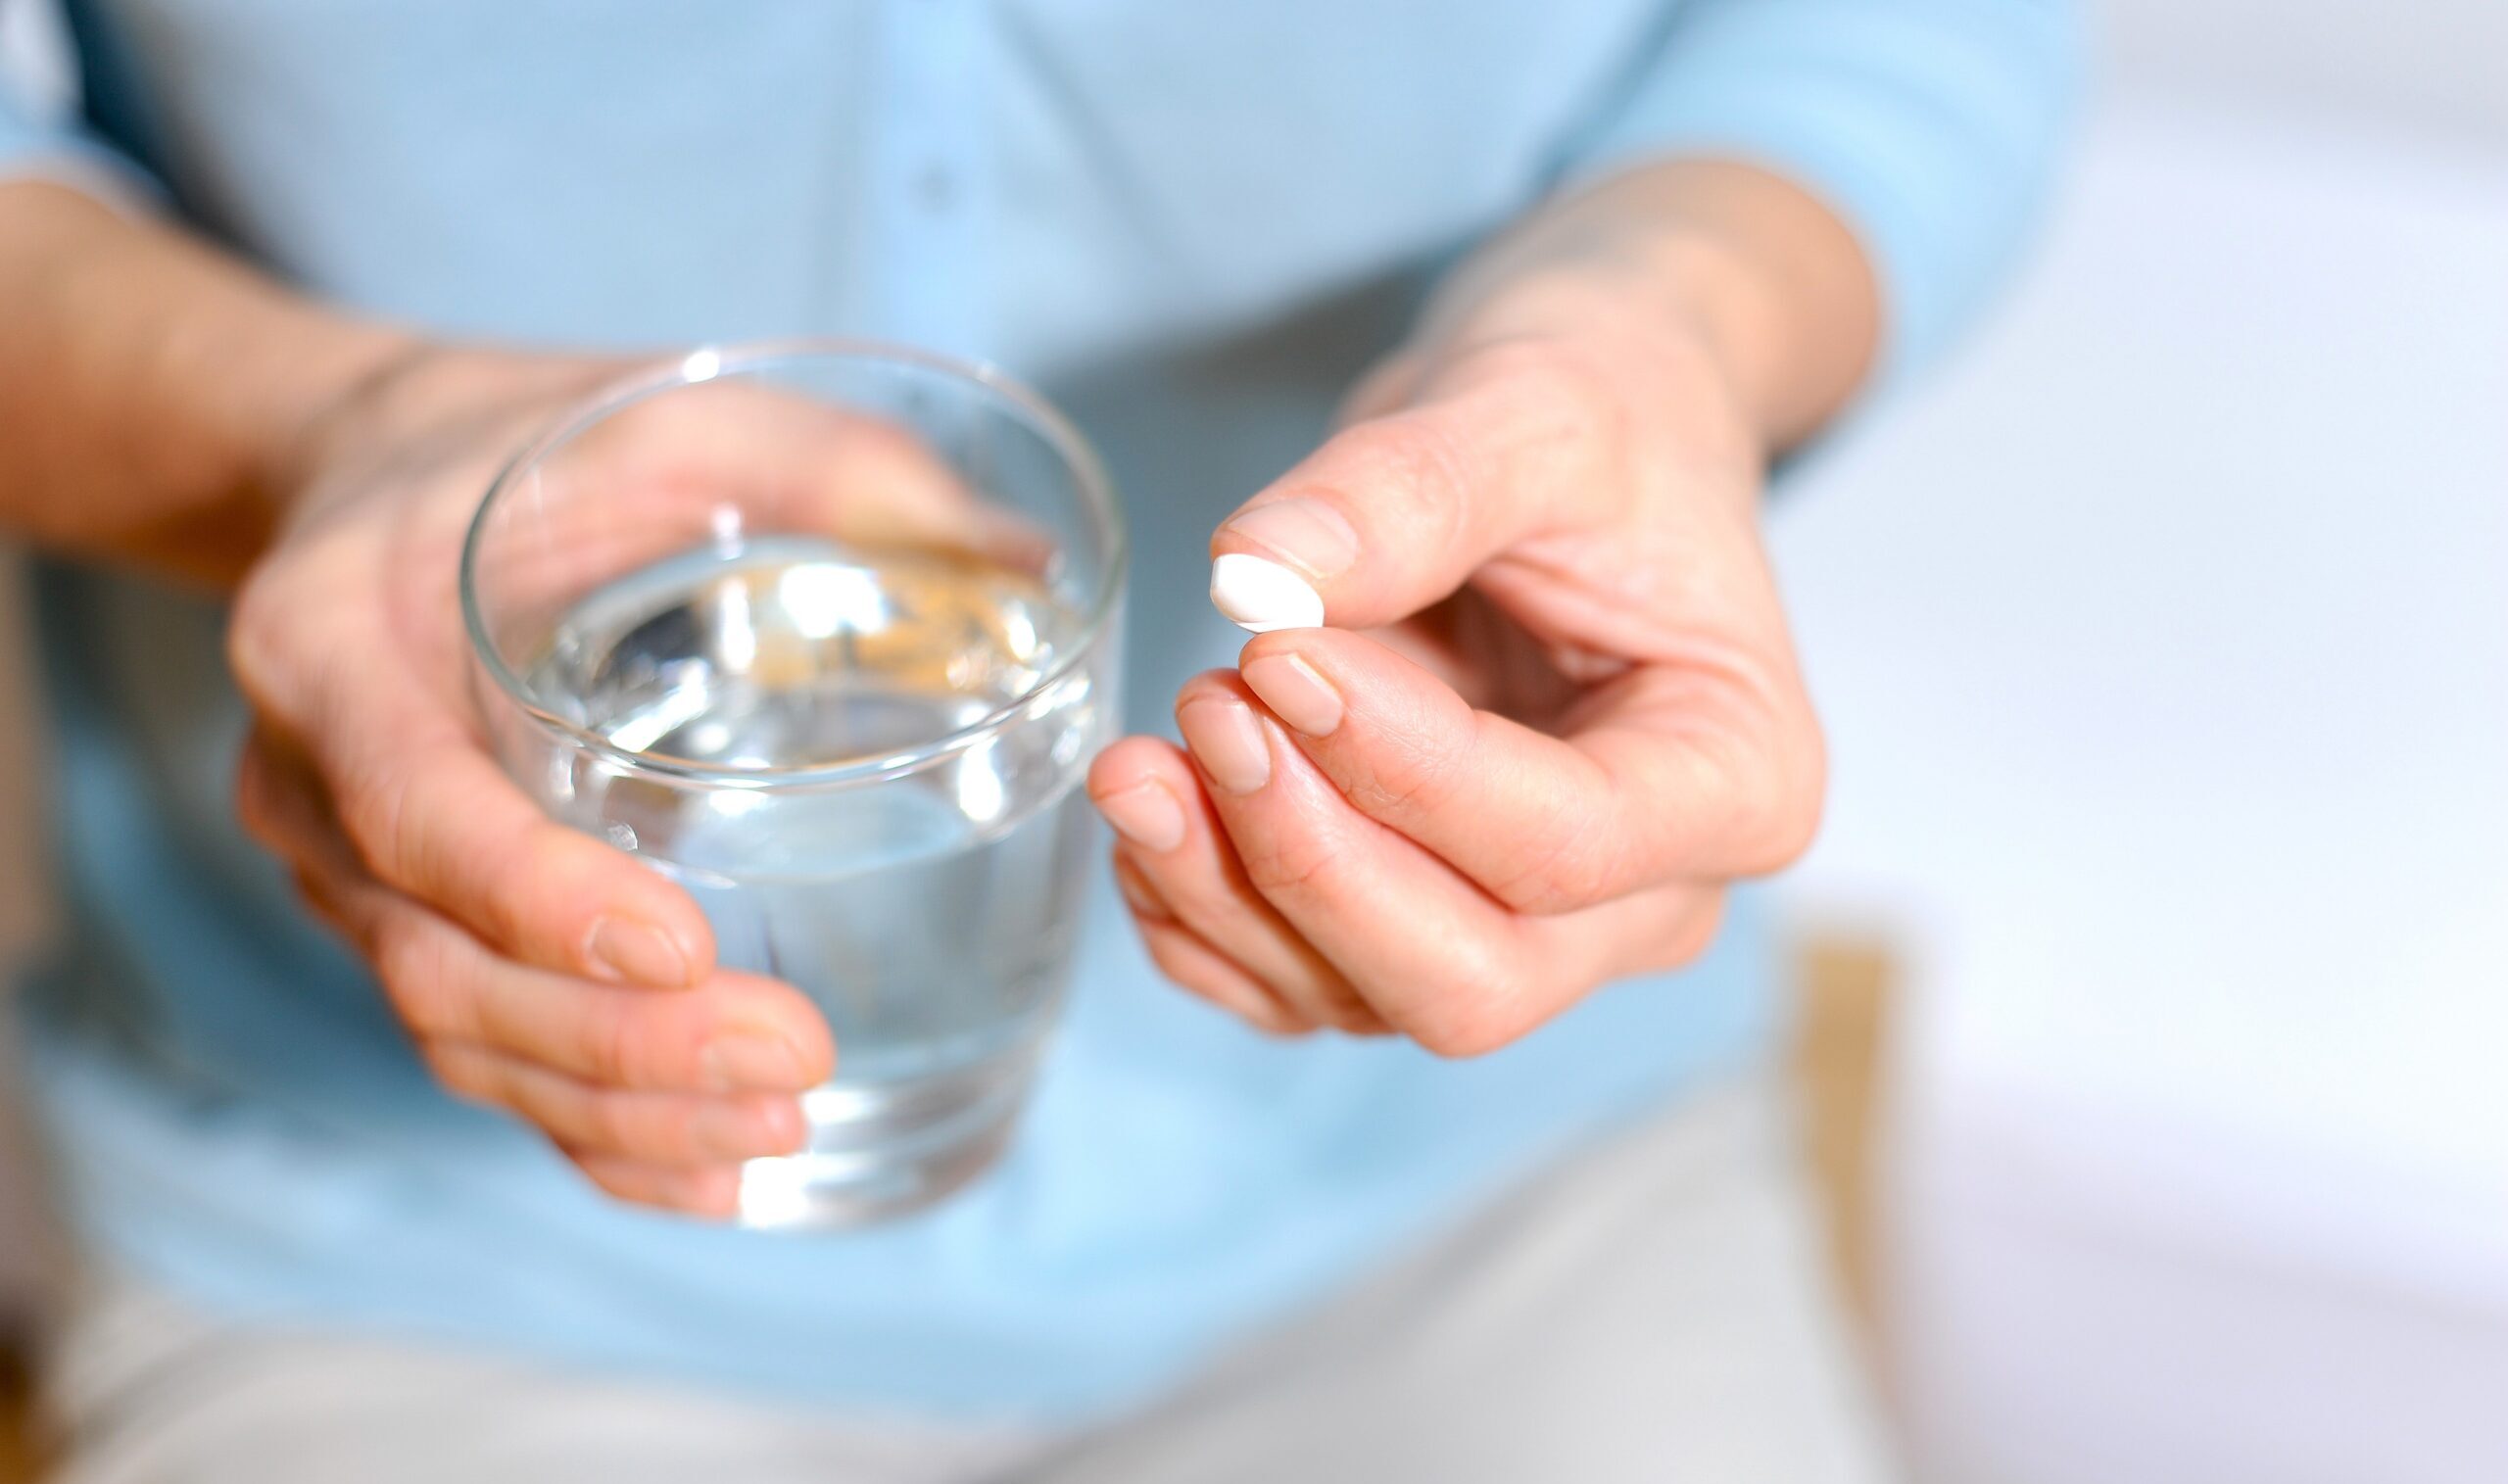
929 916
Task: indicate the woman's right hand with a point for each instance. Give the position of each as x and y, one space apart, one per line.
539 970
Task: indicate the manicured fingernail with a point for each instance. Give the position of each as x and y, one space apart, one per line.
1295 692
1227 740
1148 815
1308 534
749 1061
637 952
1138 893
742 1131
1259 595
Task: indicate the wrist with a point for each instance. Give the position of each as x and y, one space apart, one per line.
1715 257
332 369
411 388
1637 336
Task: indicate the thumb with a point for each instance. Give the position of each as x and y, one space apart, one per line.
1397 512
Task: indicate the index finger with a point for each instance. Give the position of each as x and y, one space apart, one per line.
1394 513
434 816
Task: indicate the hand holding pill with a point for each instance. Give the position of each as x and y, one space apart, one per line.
1520 701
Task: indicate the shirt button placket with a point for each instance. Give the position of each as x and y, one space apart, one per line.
933 134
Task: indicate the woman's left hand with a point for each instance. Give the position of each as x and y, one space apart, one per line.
1556 712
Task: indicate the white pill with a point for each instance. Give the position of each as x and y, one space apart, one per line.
1260 595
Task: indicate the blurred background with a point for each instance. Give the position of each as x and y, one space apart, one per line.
2156 951
2164 647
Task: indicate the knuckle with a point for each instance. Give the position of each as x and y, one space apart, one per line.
1693 932
1787 818
1580 397
1420 454
512 876
257 634
411 957
374 799
1461 1034
1789 833
1806 798
1484 1006
1180 967
1516 362
1573 870
617 1122
315 891
1188 971
1197 901
1292 863
1566 394
1410 775
1551 888
634 1040
609 1041
1347 1012
613 1178
1687 929
460 1073
1197 895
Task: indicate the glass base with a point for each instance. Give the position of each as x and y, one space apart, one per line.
883 1150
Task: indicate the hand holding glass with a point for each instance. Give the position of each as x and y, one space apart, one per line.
845 701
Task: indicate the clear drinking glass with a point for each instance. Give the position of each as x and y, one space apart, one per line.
827 633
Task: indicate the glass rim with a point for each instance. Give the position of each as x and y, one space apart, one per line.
711 361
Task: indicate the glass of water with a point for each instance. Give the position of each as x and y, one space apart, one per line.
827 633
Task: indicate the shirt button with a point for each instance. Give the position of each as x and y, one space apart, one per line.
935 188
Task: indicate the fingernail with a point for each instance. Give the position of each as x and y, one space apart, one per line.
637 952
740 1131
1148 815
1259 595
1227 740
1307 533
1295 692
1138 893
740 1060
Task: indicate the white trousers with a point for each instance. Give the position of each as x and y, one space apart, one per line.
1654 1310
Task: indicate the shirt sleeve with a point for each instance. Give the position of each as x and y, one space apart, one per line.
34 146
1930 126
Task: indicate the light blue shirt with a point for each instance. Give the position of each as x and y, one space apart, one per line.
1191 226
